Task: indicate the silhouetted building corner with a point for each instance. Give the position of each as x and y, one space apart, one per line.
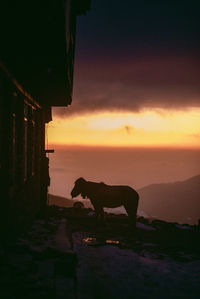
36 73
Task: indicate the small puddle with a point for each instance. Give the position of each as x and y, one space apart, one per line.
89 240
112 242
94 241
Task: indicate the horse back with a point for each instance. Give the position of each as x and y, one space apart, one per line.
116 195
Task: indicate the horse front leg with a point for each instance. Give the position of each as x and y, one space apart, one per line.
101 216
99 213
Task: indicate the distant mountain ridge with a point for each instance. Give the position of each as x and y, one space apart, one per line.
178 201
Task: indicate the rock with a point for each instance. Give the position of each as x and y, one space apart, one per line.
78 205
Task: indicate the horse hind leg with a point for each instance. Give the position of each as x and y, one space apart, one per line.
99 216
131 209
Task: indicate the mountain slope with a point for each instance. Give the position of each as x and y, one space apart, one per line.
65 202
179 201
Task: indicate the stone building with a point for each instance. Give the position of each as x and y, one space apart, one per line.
36 73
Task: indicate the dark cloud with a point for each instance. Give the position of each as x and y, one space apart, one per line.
137 55
147 82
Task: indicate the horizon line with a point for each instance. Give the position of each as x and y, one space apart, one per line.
105 146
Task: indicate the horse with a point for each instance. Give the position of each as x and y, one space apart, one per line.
102 195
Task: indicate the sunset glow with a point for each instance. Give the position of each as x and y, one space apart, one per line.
148 128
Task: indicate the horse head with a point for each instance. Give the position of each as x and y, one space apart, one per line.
79 188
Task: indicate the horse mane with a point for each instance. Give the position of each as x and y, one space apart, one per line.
87 186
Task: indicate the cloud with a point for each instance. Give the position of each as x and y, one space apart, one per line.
129 129
127 84
196 136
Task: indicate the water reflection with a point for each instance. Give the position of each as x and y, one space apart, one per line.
112 242
94 241
88 240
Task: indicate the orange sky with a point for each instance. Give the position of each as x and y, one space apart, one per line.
148 128
136 78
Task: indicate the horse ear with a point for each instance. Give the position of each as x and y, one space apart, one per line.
80 180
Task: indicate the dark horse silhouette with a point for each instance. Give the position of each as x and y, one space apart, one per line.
102 195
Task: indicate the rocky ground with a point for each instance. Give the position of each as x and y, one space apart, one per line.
40 263
160 260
